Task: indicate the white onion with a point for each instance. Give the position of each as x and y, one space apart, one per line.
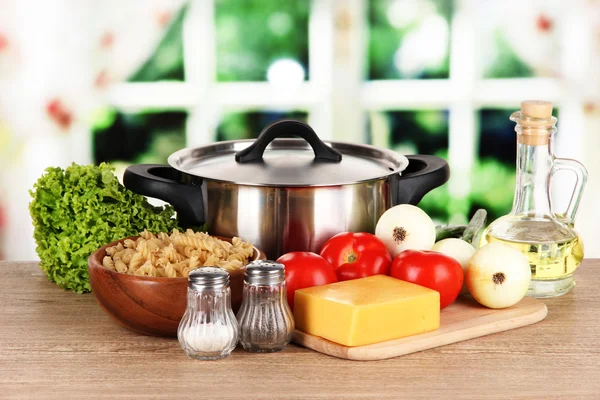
458 249
498 275
405 227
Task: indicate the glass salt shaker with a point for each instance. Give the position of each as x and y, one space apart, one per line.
208 329
265 319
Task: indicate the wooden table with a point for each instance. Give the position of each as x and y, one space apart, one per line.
56 344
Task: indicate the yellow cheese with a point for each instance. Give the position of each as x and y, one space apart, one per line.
368 310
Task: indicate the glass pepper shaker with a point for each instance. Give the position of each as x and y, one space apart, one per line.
265 319
208 329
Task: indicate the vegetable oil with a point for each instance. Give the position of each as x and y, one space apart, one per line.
553 260
551 244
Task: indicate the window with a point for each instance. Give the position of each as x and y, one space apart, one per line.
430 76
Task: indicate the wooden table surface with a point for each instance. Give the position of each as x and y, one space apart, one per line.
57 344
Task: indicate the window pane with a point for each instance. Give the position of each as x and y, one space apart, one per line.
147 137
409 39
252 35
493 177
518 44
248 125
416 132
410 132
166 61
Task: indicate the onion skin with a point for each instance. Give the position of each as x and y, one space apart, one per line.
417 229
498 275
458 249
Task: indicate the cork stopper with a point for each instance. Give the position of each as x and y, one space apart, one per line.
535 123
536 109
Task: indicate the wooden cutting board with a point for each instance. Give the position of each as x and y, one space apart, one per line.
464 319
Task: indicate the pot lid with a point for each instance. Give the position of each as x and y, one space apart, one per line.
274 161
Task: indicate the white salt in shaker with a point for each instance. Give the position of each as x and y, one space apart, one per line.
208 329
265 319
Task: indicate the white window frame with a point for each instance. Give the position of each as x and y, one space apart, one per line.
337 96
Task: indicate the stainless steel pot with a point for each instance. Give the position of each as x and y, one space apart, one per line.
284 194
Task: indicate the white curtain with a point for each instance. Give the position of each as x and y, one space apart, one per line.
57 59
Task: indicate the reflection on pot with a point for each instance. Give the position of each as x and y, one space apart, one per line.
280 220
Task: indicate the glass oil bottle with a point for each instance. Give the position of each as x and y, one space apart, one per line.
549 241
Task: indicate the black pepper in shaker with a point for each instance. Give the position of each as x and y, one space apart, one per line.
266 323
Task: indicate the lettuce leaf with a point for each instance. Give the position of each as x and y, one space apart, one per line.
80 209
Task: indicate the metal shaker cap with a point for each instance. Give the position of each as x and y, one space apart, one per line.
208 278
265 272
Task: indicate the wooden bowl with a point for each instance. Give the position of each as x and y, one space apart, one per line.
148 305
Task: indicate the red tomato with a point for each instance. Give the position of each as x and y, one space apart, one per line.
357 255
305 269
430 269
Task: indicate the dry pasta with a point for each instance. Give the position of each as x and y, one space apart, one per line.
175 255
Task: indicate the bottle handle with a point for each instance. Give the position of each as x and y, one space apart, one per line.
581 174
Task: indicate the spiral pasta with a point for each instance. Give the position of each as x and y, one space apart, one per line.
175 255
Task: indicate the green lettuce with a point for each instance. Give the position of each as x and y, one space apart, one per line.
78 210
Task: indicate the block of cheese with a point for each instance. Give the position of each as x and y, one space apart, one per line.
367 310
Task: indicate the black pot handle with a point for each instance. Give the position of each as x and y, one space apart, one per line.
284 127
423 174
164 182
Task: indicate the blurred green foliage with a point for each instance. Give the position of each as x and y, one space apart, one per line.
385 39
252 34
506 64
492 187
147 137
248 125
166 62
